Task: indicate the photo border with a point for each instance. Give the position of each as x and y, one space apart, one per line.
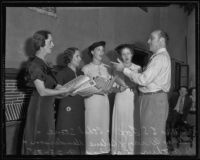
152 3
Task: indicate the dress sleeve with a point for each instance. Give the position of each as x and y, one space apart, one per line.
36 72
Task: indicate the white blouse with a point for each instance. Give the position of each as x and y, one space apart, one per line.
93 70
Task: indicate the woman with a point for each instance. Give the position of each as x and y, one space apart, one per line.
70 130
97 106
123 113
38 138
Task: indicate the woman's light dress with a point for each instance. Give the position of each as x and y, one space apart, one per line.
123 118
97 114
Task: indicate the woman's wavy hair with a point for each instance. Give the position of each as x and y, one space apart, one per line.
68 54
39 38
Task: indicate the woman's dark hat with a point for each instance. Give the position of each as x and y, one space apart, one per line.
121 46
96 44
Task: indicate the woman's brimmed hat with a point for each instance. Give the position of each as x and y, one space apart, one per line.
96 44
121 46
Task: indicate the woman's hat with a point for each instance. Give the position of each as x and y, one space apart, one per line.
121 46
97 44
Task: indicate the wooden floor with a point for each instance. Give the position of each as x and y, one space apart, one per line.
184 148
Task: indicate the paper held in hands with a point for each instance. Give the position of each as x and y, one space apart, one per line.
114 63
87 89
77 82
85 86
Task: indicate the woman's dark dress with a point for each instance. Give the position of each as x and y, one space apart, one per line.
70 122
39 132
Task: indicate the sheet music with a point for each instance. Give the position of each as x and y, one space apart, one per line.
85 86
77 82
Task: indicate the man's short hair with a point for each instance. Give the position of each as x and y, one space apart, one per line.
183 87
164 35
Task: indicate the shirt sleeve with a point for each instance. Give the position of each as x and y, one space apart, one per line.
135 68
153 69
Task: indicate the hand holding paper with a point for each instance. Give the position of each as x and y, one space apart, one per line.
85 86
66 90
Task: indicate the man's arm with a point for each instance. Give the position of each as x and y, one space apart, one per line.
149 74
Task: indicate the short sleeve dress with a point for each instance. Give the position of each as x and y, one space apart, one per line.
97 114
70 122
39 131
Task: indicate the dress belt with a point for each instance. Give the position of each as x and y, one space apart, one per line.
151 93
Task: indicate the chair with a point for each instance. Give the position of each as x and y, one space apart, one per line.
184 133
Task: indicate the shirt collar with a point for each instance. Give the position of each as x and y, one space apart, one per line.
159 51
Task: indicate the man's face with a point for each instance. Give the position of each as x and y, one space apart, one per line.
154 41
183 91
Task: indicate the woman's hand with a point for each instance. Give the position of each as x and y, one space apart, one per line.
72 94
65 91
123 88
88 96
60 96
106 91
100 82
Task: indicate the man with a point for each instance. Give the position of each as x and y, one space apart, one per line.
181 105
155 82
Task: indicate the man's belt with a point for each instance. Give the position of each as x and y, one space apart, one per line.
151 93
192 112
